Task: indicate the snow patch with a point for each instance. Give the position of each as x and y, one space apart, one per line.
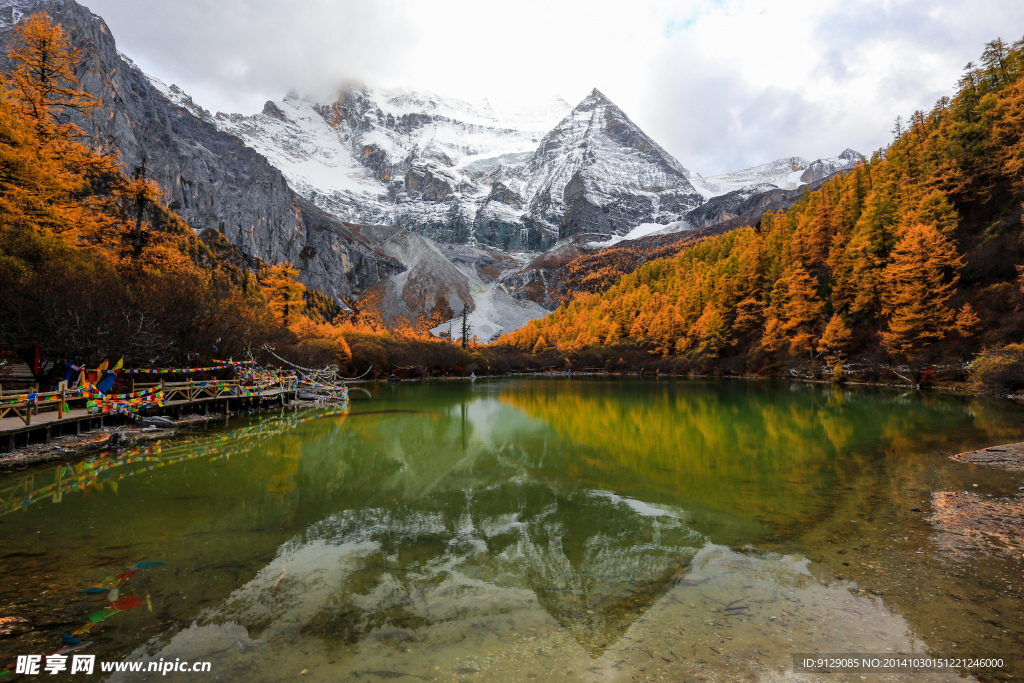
642 230
496 312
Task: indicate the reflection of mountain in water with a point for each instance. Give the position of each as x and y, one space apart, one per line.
595 562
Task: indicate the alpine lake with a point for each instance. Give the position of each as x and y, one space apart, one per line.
592 529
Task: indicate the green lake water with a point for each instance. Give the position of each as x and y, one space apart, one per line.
529 529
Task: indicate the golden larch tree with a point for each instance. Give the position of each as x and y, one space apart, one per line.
835 339
966 321
283 293
43 82
919 281
41 93
803 311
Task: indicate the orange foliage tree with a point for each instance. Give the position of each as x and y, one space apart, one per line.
920 280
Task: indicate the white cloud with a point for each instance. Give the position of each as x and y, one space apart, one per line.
719 83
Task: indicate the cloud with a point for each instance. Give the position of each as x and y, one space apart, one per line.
753 81
721 84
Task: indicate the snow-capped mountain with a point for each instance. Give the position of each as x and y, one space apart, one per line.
826 168
446 172
788 173
597 173
417 160
458 172
742 197
781 173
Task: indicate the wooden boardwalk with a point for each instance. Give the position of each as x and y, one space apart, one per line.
44 421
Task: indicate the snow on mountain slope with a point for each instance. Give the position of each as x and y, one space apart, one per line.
785 174
441 280
13 10
318 164
824 168
495 312
173 93
397 157
776 172
642 230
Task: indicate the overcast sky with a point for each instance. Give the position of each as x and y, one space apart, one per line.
721 84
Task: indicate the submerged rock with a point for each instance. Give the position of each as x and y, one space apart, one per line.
158 421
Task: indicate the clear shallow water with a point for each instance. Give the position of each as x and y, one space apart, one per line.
526 530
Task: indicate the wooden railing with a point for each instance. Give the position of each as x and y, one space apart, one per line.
192 391
19 404
26 408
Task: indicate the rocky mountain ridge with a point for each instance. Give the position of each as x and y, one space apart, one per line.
430 164
457 172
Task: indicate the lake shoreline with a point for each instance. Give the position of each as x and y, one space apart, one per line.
967 521
68 448
955 388
74 447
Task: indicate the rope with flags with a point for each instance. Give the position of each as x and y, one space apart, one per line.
130 406
219 365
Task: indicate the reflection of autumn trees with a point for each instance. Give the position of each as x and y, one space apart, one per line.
277 462
778 456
